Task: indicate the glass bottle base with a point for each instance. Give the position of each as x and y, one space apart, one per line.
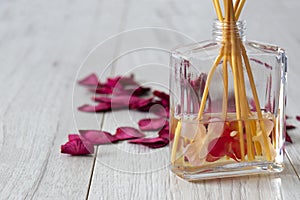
227 170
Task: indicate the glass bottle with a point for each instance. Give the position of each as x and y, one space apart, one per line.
217 142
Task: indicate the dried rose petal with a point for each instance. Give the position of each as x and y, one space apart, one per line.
120 100
124 133
152 124
288 138
141 104
211 158
157 142
103 90
145 108
112 82
101 107
97 137
119 81
163 96
139 91
90 80
75 146
164 132
73 137
289 127
298 117
219 147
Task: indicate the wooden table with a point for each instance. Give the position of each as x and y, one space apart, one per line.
42 46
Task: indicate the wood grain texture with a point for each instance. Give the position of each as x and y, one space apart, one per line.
128 172
42 45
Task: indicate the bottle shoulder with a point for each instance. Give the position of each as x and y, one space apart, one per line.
253 47
211 47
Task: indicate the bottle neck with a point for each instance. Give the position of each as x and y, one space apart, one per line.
222 30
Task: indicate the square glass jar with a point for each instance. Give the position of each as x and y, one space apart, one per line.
210 135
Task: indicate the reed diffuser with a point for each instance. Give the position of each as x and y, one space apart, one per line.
227 103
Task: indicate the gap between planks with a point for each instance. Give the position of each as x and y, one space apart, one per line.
116 52
292 163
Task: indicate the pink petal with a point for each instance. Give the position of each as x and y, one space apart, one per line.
112 82
103 99
77 147
152 124
120 100
124 133
120 82
97 137
141 103
298 117
101 107
90 80
151 142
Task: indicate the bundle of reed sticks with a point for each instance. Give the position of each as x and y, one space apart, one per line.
233 54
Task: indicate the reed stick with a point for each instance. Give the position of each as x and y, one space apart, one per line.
175 143
239 9
218 10
208 81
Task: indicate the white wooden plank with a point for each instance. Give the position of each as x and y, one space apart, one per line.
42 47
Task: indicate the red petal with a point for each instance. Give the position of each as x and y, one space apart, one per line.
219 147
288 138
73 137
289 127
164 133
97 137
112 82
90 80
151 142
103 99
211 158
139 91
77 147
237 149
298 117
231 155
141 104
121 82
120 100
152 124
161 95
101 107
124 133
103 90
